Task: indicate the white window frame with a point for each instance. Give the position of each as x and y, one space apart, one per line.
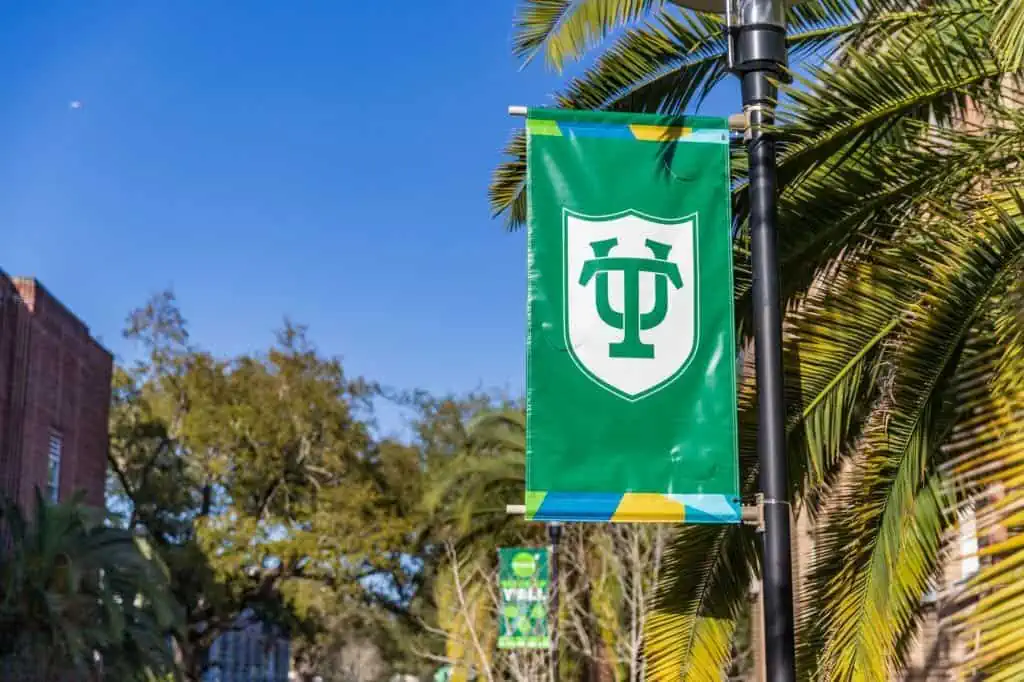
54 455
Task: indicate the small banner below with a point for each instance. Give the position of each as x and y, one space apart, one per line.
631 360
523 579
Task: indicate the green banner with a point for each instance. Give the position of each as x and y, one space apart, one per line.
523 576
631 362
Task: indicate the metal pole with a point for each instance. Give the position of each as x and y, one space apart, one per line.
760 54
555 536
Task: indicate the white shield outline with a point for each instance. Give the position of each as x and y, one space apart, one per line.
691 286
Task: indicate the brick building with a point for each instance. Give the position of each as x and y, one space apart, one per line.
54 397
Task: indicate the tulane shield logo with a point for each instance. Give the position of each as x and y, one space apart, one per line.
630 298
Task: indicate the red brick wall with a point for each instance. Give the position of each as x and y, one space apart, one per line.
54 376
15 325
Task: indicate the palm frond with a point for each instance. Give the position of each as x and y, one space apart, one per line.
470 492
72 586
566 29
875 564
846 205
989 615
883 593
986 466
708 571
667 64
917 76
1008 34
831 356
507 191
501 430
659 67
671 62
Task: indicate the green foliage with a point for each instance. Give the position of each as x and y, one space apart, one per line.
255 474
881 540
79 596
662 60
565 29
467 494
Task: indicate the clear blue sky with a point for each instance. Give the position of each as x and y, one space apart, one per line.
323 160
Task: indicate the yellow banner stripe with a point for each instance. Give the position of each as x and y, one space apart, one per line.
649 507
655 133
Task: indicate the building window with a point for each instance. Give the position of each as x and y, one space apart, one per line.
53 472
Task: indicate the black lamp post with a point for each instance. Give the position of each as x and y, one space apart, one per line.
757 53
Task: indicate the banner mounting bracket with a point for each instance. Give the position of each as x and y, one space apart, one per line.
753 515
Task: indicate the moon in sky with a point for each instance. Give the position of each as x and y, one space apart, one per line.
76 104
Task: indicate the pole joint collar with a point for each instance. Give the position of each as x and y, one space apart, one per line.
759 47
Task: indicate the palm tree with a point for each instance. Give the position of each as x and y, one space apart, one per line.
902 253
78 596
468 494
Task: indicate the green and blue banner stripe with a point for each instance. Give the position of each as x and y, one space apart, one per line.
632 507
626 126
